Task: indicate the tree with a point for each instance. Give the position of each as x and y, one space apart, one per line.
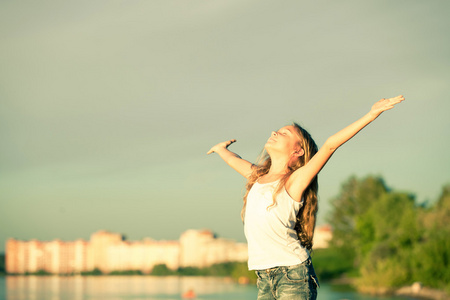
355 198
431 260
391 240
2 264
388 233
161 270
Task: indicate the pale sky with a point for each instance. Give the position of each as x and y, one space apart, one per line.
109 107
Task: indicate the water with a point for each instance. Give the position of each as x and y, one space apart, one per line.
143 287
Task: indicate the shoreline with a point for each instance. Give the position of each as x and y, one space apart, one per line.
422 292
415 290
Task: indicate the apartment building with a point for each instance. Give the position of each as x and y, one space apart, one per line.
108 252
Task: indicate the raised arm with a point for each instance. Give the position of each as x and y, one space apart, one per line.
242 166
302 177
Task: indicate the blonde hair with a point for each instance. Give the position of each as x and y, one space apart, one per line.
306 217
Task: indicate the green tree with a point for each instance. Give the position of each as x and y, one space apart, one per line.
431 260
388 233
2 264
354 199
161 270
333 263
391 240
126 272
222 269
95 272
41 273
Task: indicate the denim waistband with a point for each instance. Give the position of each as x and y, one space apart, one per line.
275 270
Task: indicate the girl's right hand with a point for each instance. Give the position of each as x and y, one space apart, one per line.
220 146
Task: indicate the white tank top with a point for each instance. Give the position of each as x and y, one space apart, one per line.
271 237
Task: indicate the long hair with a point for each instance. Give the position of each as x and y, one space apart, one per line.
306 217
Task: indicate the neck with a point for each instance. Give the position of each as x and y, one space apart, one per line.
278 167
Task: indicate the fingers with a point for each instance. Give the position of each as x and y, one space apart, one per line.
231 142
396 100
221 145
392 101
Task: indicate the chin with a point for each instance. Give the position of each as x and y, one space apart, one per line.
269 149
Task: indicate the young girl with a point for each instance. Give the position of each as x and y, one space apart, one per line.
280 205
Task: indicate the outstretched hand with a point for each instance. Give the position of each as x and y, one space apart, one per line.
219 146
386 104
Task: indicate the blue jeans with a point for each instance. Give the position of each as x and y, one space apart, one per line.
288 283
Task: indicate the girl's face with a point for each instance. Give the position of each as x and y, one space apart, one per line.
285 141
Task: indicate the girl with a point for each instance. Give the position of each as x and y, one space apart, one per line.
280 205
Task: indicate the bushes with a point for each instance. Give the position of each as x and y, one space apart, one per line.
2 264
235 270
333 263
127 272
391 240
95 272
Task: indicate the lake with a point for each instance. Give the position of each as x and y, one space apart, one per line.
144 287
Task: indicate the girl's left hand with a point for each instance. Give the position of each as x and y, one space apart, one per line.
385 104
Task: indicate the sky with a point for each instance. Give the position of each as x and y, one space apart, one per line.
107 108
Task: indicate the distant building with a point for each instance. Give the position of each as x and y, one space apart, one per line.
202 249
322 236
109 252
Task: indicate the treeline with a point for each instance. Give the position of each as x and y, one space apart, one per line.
385 239
235 270
2 265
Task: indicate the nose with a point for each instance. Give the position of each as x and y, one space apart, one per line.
274 133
